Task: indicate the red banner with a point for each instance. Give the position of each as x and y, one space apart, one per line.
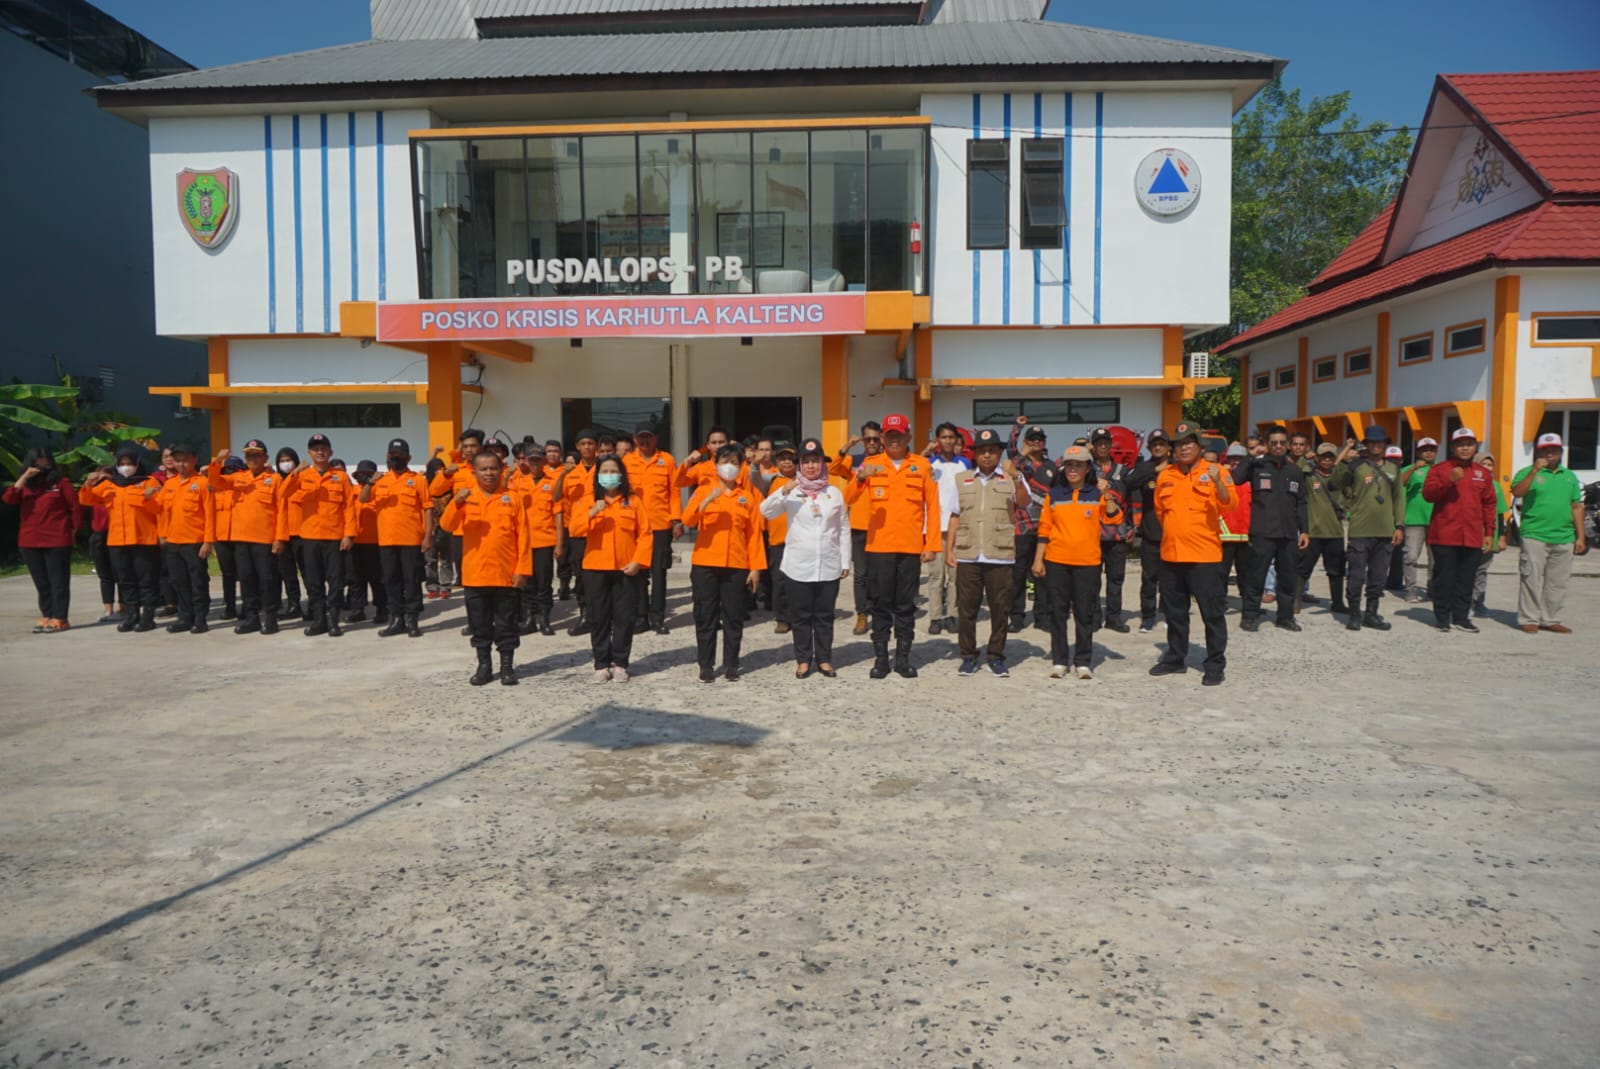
739 315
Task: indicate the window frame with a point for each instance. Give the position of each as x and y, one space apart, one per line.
1400 349
1256 384
1280 382
1003 167
1449 337
1048 236
1332 363
1564 415
391 409
1020 406
1363 351
1565 343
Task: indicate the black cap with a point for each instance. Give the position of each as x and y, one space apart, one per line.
782 446
987 436
1080 441
1033 432
646 428
319 440
587 432
398 447
367 466
254 445
181 449
1157 435
812 447
1099 433
233 464
1376 433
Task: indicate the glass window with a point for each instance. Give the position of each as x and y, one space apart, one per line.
1044 206
839 209
611 207
555 213
616 415
1324 369
1583 439
1416 349
666 201
445 201
990 412
1096 410
894 202
1464 339
1261 382
782 212
1553 328
722 169
1357 362
988 191
1286 376
327 416
499 217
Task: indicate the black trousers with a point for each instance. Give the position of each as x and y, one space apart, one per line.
1182 583
1455 570
1264 553
539 594
892 579
290 564
1026 545
402 568
492 615
565 567
228 564
100 554
575 550
365 573
258 579
977 584
764 584
191 582
1397 570
324 567
1074 591
652 592
136 575
858 570
719 598
51 569
1235 562
1330 551
1149 579
779 591
611 613
810 608
1368 560
1114 559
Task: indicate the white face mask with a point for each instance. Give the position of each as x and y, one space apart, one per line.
729 472
127 470
286 466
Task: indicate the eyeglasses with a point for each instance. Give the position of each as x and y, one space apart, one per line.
872 439
1277 441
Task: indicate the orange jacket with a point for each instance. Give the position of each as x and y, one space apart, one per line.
132 515
655 481
903 503
577 498
462 479
861 507
1070 520
538 498
730 529
778 526
694 476
1190 514
494 538
221 509
366 522
253 508
191 515
401 502
619 534
318 505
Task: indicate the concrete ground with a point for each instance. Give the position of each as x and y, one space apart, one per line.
1364 850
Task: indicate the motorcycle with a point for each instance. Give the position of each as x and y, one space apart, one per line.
1591 512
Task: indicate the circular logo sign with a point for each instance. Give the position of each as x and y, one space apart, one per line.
1167 182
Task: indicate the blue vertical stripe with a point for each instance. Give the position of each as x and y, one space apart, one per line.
977 134
1038 131
1005 253
327 251
272 233
355 246
1099 189
1066 234
383 259
299 242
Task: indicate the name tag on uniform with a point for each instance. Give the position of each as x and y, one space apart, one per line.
1294 487
880 491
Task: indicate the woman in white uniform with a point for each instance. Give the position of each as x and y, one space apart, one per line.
816 556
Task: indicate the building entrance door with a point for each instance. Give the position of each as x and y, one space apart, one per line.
778 417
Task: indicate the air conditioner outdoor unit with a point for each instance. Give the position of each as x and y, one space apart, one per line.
1199 366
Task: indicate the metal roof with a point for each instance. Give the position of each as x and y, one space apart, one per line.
943 11
516 9
422 19
878 49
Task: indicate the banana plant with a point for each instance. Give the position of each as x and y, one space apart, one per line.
56 417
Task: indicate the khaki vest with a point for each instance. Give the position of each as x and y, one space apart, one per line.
987 528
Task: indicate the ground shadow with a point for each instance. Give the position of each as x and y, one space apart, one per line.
623 727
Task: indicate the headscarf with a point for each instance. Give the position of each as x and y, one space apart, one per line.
139 473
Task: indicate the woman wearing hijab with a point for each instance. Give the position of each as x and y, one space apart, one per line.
289 563
128 495
618 546
816 556
50 519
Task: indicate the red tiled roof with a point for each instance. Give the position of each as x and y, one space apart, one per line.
1564 152
1360 252
1545 233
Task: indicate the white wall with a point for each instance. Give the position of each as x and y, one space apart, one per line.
1122 266
1335 339
1275 405
1553 372
320 361
1047 353
1141 410
1460 378
1479 185
290 277
248 419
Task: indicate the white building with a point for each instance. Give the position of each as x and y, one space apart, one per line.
1473 298
535 215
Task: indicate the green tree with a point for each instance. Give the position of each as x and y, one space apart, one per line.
56 417
1306 179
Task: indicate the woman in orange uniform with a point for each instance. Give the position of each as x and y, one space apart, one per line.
1068 558
617 547
128 495
727 562
191 534
253 522
495 561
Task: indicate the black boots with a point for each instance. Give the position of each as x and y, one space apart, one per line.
902 663
318 626
130 620
541 621
147 620
880 662
269 624
508 671
485 670
1336 595
249 625
334 630
412 629
582 626
1371 618
397 626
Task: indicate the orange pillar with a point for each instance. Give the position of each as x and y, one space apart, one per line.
217 378
922 414
444 395
1500 435
835 392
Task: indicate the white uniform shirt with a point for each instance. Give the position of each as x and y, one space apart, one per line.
944 474
817 548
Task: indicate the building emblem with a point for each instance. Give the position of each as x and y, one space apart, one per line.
1167 182
208 203
1483 173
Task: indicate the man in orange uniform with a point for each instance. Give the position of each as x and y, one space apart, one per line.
785 462
540 487
1190 497
652 475
222 548
450 480
191 533
871 441
403 507
699 468
363 568
254 522
128 494
902 536
495 561
577 498
727 562
319 505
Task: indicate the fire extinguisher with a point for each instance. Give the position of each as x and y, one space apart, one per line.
916 237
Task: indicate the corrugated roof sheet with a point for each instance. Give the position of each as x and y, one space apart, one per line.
395 20
1549 118
948 11
827 48
534 9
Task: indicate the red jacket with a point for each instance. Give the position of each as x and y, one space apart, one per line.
49 515
1464 509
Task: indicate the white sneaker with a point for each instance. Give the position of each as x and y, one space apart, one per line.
1083 672
1058 671
602 675
619 675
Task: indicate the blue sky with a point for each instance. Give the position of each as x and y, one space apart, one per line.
1385 52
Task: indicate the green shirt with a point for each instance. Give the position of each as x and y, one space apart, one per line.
1325 519
1372 507
1418 510
1547 506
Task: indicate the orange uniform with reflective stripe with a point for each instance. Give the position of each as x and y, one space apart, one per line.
318 505
1190 514
903 505
655 480
730 529
861 507
1070 520
577 498
618 535
778 526
191 515
401 501
538 498
132 515
494 537
253 513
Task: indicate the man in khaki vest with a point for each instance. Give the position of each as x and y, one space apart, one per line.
980 544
